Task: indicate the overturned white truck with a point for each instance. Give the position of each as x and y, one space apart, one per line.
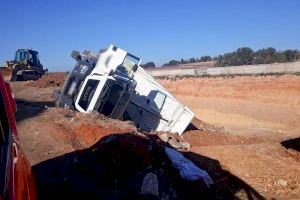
114 84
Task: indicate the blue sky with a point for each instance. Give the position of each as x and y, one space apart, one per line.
153 30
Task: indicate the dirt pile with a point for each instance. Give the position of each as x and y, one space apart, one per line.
6 73
84 130
111 161
53 79
207 138
198 124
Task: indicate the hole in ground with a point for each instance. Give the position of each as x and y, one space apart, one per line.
292 144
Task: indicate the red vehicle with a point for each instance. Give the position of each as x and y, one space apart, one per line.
16 179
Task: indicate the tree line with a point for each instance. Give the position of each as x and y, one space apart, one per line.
246 56
241 56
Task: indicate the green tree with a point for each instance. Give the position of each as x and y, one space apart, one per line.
182 61
291 55
171 63
265 56
243 56
192 60
205 58
148 65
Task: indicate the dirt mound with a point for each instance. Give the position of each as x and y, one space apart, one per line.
213 135
84 130
207 138
53 79
198 124
6 73
109 159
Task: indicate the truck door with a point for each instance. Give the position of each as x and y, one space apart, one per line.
154 111
170 109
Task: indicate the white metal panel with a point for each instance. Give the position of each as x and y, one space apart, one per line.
146 111
109 60
144 119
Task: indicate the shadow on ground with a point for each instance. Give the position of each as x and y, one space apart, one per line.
292 144
27 109
114 168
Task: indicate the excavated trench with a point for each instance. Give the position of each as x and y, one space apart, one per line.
93 156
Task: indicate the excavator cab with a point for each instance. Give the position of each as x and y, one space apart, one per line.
30 56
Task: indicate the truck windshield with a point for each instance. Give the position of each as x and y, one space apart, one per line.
88 93
126 68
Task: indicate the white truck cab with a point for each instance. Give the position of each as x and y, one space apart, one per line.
114 84
110 85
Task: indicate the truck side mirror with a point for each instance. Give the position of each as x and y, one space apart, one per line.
135 67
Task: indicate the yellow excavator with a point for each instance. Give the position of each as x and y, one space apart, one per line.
25 66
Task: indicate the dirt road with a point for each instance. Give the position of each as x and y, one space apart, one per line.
248 162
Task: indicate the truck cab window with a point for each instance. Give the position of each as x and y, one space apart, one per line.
159 100
109 98
88 93
126 68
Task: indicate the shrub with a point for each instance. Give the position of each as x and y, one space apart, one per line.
172 62
290 55
148 65
265 56
205 58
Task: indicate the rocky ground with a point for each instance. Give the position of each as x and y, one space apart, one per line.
251 148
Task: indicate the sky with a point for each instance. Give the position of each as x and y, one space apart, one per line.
156 30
